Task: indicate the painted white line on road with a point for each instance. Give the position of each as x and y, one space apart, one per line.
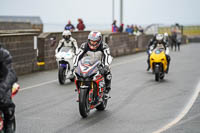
183 113
37 85
48 82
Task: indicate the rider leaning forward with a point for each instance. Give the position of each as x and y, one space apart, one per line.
95 45
158 39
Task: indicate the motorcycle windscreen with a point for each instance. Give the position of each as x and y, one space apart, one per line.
87 66
65 49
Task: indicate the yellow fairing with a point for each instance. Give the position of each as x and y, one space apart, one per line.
158 58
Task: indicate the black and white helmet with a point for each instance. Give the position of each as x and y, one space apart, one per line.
94 39
159 37
66 34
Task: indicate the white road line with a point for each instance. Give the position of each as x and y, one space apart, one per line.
183 113
37 85
48 82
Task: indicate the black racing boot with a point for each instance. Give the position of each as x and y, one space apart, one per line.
168 62
10 126
148 68
108 87
148 63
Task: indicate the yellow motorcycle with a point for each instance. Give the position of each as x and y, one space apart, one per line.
158 63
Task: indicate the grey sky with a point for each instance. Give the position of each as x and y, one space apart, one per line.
100 11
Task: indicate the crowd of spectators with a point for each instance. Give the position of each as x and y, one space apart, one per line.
80 26
134 29
130 29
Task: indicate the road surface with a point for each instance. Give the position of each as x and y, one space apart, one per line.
138 103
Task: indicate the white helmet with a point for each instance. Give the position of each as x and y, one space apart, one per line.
66 34
166 34
159 37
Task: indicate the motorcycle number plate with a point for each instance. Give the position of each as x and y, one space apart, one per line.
84 87
63 65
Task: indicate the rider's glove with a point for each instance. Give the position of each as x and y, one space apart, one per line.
73 69
106 69
101 69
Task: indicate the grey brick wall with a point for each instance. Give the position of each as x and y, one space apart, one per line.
22 50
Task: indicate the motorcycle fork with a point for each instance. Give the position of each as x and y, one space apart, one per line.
91 92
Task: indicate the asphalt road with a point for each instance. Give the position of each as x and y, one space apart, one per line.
138 103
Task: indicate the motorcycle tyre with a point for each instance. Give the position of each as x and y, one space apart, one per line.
84 103
61 75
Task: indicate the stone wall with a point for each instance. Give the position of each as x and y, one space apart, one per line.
20 31
123 44
22 50
26 58
15 25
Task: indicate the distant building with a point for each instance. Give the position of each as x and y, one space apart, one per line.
20 23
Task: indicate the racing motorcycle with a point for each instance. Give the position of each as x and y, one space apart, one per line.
90 85
158 62
15 89
64 60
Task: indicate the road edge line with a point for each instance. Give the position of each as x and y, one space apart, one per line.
183 113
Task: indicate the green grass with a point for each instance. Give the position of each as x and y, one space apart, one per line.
187 30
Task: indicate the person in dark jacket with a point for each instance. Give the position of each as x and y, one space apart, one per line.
80 26
121 28
69 26
7 79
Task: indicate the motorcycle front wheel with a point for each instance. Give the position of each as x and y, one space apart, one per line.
84 107
61 75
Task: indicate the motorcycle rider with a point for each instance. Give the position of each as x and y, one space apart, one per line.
166 37
160 40
7 79
67 41
150 44
95 45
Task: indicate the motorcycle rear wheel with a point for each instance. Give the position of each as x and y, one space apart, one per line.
162 77
103 105
84 107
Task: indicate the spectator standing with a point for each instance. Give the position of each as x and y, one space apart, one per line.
129 30
114 26
80 26
69 26
132 27
121 28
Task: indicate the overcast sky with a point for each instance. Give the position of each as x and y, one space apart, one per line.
100 11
